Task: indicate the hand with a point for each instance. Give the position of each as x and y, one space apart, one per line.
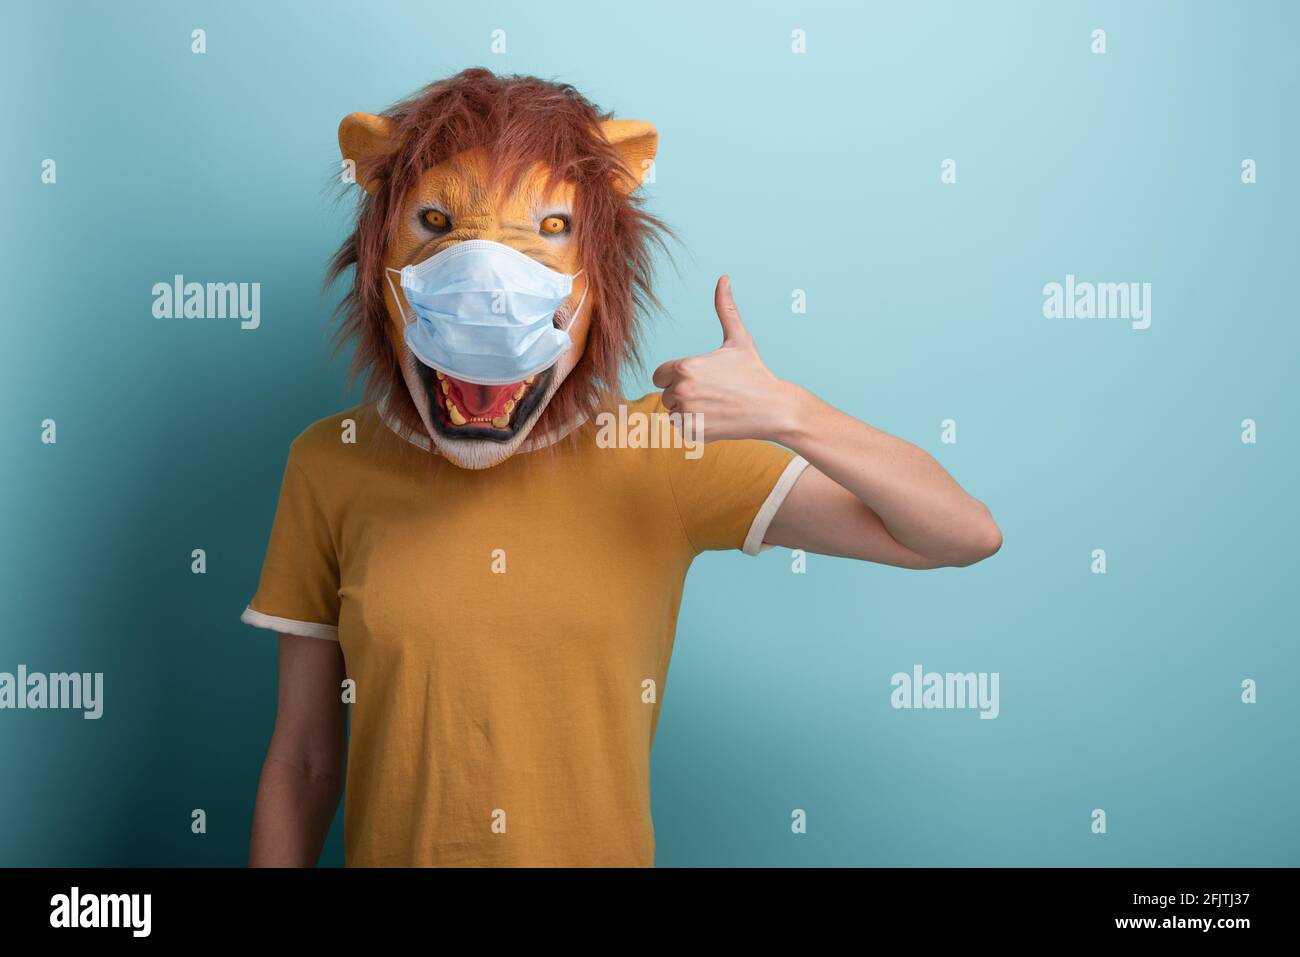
734 395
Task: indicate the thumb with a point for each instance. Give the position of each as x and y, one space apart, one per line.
733 330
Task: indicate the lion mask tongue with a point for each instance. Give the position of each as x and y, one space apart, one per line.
483 400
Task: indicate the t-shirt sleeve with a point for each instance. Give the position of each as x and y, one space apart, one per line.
727 492
298 592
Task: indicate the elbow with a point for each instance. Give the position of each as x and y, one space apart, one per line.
983 541
989 545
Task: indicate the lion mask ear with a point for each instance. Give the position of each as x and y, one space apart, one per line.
637 141
363 140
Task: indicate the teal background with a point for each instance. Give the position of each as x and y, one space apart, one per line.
817 171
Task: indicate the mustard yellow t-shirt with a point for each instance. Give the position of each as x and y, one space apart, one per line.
508 629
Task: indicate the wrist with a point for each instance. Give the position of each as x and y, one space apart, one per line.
793 408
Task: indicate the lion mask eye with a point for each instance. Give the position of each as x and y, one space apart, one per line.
436 219
554 225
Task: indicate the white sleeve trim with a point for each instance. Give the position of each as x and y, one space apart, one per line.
287 626
754 540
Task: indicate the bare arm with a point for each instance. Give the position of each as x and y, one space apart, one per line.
302 776
872 496
865 494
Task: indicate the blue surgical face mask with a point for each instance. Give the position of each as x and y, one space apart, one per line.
484 312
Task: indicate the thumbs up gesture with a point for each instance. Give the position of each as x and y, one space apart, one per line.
734 395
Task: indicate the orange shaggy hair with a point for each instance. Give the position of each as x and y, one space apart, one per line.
520 120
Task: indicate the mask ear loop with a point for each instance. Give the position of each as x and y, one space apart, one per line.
396 297
573 317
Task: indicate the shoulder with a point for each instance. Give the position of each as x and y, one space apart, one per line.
650 402
324 444
627 413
